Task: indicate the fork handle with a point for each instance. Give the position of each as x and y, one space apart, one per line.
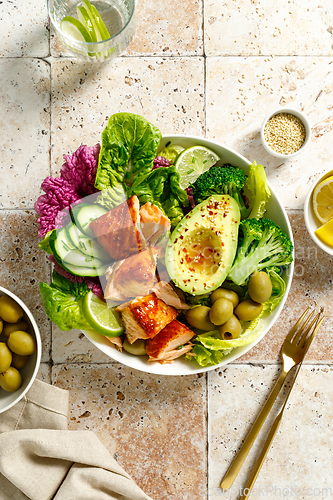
250 438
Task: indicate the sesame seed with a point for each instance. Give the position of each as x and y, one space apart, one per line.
284 133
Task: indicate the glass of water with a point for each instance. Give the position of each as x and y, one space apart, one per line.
117 16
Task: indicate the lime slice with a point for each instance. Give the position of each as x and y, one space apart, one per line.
84 17
101 318
75 29
193 162
100 28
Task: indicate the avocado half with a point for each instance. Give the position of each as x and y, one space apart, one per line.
202 247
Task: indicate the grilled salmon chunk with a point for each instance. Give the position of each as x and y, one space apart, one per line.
164 346
117 231
153 222
136 274
145 317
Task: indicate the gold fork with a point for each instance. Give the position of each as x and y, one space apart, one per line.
293 351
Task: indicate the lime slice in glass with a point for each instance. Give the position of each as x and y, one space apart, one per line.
100 28
193 162
100 317
75 29
84 18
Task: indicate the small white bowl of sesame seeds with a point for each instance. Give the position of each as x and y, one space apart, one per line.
285 133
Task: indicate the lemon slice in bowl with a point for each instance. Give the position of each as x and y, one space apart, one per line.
100 317
193 162
322 200
325 233
75 29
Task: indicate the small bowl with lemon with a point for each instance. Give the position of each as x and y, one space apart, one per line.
318 212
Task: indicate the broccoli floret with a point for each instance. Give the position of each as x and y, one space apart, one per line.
221 180
262 244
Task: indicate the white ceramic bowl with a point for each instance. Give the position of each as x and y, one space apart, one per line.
307 127
29 371
275 211
311 221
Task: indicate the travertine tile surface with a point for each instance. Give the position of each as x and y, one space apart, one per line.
169 92
240 94
44 373
24 29
23 265
164 28
258 27
154 426
25 130
300 457
74 347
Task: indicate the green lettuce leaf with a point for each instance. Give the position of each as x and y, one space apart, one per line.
161 187
62 308
278 291
64 285
44 244
112 197
129 146
205 357
256 182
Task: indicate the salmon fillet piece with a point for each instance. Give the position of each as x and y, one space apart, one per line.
163 347
146 316
153 222
136 274
117 231
165 292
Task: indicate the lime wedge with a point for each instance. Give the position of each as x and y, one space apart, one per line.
100 28
193 162
75 29
101 318
84 17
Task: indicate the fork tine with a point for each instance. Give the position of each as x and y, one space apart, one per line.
313 334
303 339
294 329
302 329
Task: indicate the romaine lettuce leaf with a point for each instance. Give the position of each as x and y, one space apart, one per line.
161 187
256 182
205 357
44 244
129 146
62 308
66 286
278 291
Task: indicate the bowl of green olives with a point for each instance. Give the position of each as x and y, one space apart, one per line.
20 349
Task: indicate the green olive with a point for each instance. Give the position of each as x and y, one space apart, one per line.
221 311
231 329
138 347
11 380
5 357
224 293
21 343
10 311
19 361
199 318
1 326
14 327
260 286
248 310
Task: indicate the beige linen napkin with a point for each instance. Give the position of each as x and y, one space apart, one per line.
41 460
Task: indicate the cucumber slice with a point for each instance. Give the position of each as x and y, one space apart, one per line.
83 214
66 253
86 245
84 271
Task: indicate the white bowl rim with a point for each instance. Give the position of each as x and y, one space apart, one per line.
304 119
38 342
157 368
308 211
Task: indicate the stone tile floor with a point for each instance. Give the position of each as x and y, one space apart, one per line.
211 69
